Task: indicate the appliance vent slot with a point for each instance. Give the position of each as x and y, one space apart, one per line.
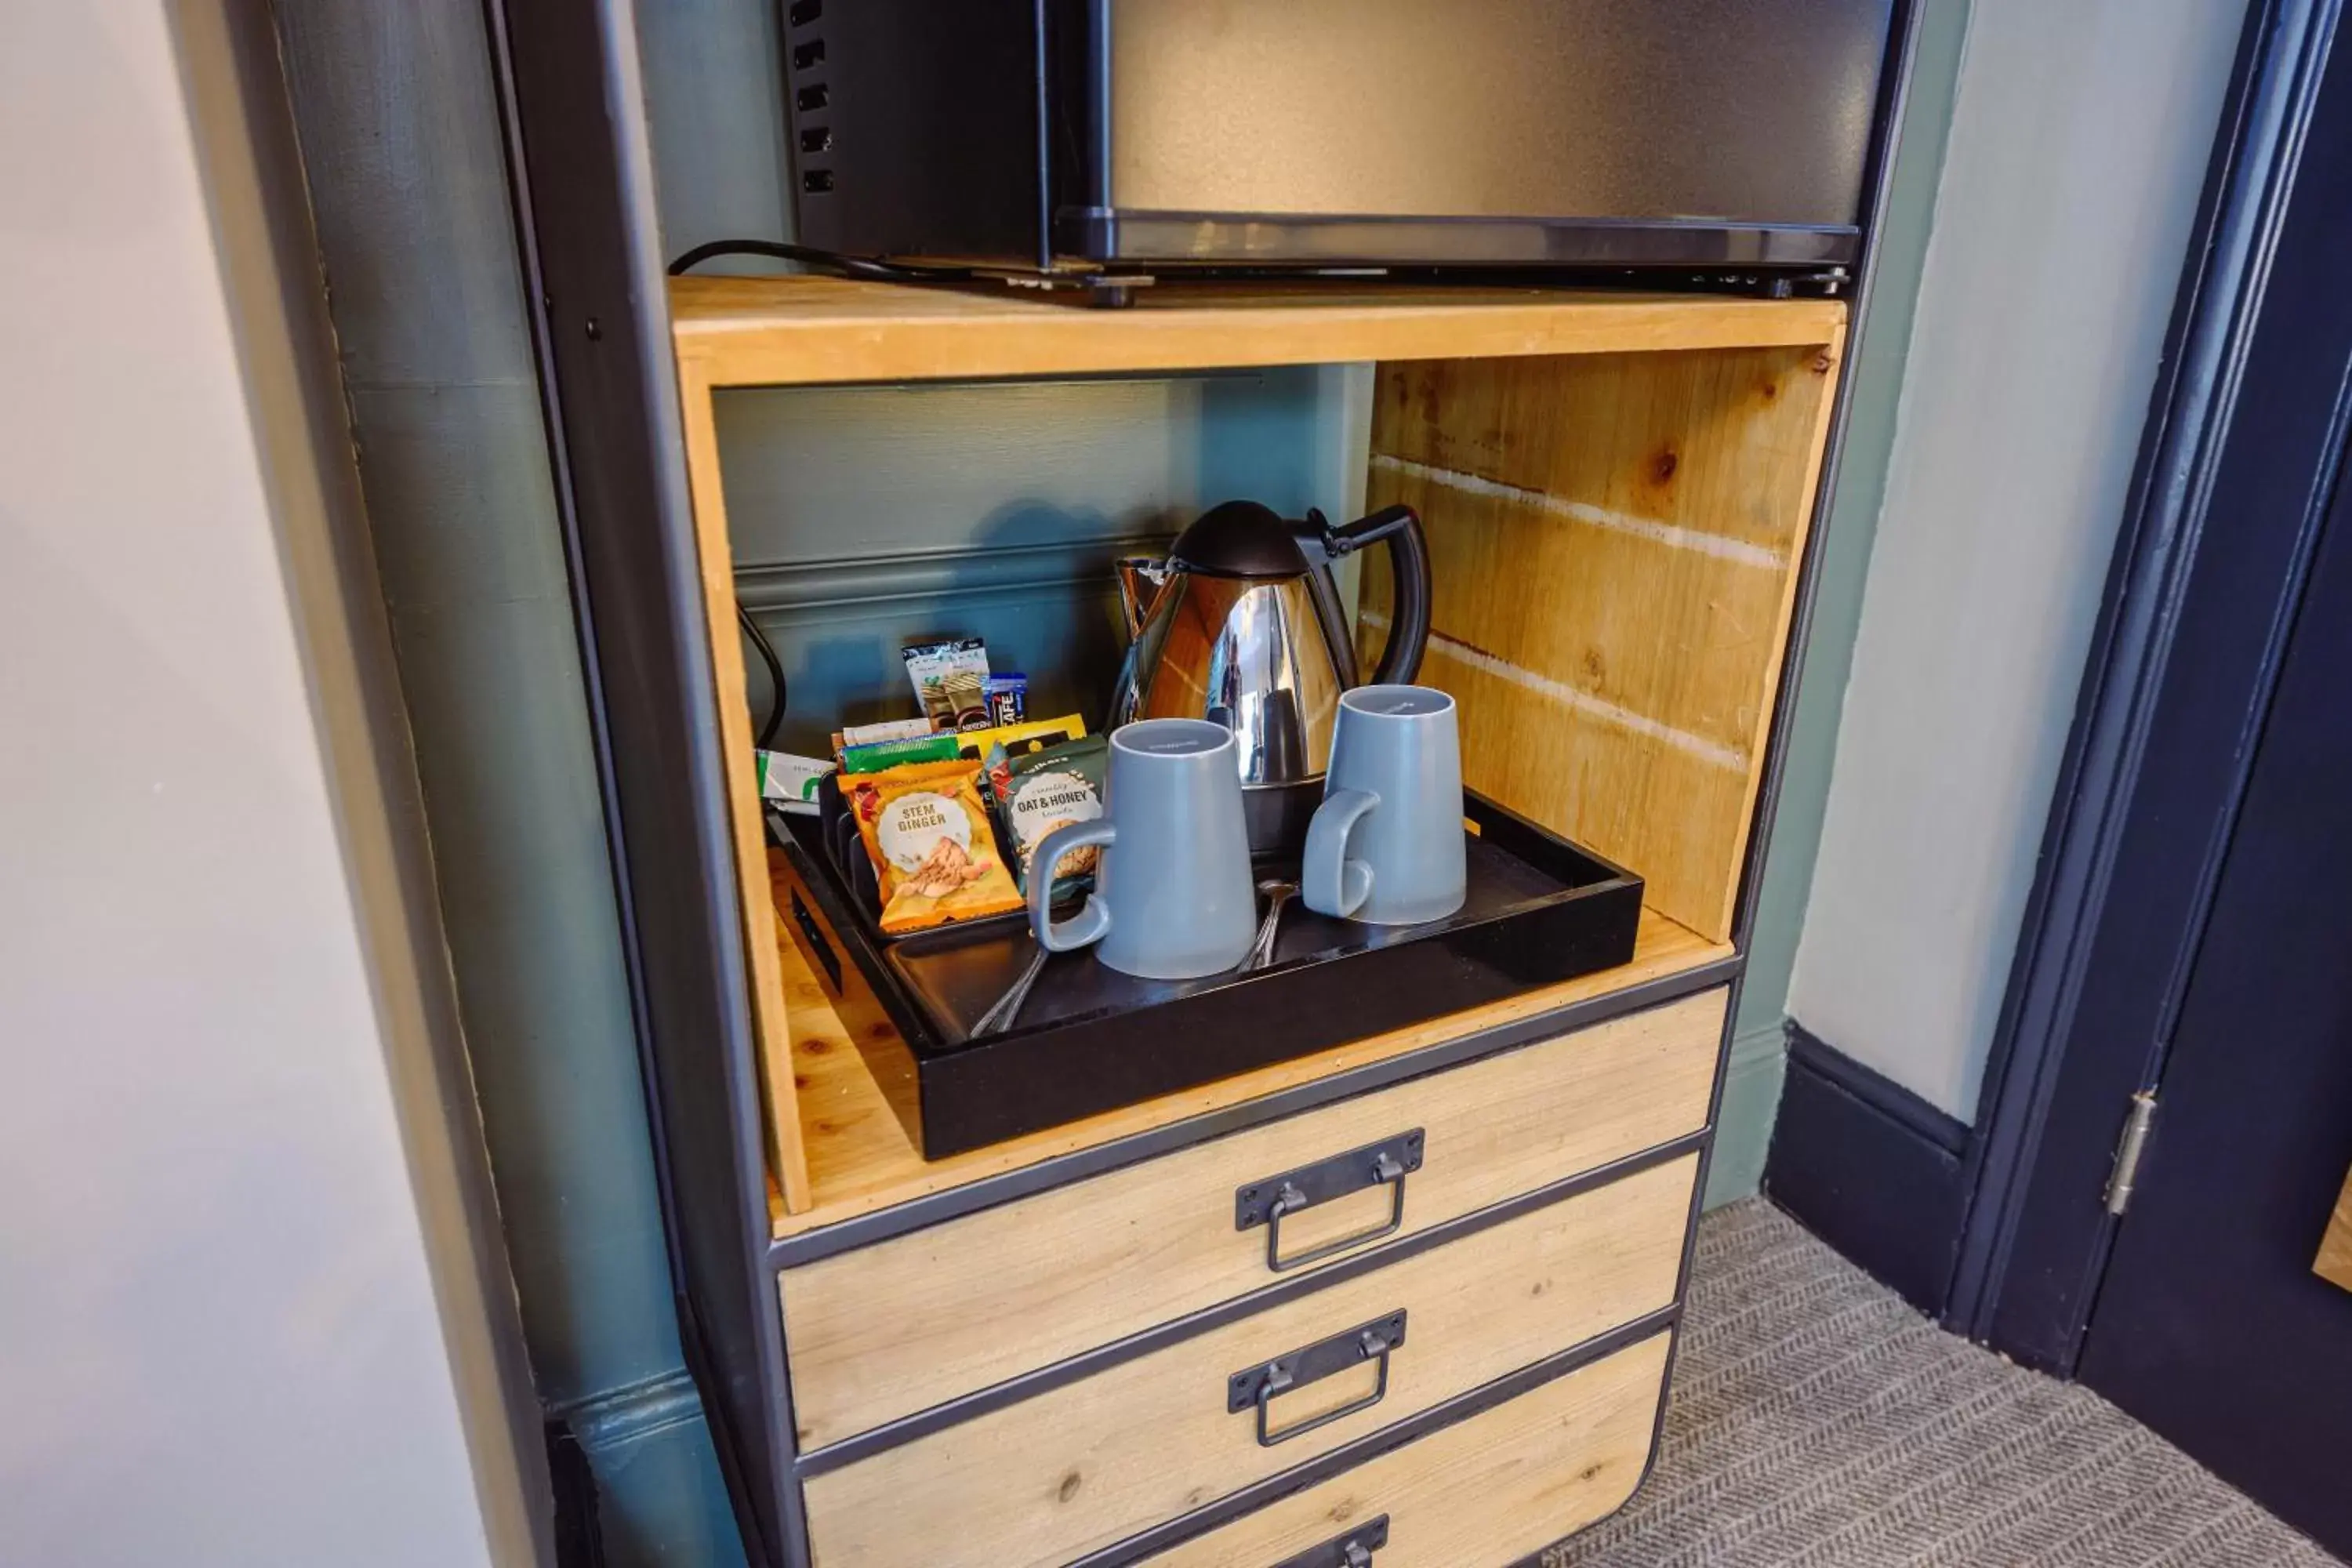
808 54
817 138
816 181
803 12
812 98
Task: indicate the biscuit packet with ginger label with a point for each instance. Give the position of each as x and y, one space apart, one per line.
929 836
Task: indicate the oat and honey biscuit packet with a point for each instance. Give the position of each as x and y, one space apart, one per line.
1045 790
928 833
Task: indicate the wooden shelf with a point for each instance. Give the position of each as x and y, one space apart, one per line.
859 1158
783 331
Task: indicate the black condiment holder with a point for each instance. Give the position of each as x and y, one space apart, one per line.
1539 909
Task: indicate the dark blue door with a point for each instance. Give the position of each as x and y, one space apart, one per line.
2210 1325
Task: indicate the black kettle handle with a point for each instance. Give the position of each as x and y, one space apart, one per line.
1409 564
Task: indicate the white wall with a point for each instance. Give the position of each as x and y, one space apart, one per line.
220 1340
2078 145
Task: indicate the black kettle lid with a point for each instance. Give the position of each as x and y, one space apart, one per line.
1240 539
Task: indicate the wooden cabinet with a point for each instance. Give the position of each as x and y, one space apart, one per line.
1054 1349
1042 1350
1050 1350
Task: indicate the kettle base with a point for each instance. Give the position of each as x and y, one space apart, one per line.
1277 815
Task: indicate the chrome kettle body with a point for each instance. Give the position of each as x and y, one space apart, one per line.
1242 624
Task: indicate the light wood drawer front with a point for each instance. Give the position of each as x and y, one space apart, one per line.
1090 1463
1479 1494
896 1328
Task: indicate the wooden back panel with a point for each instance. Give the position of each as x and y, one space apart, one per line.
1614 540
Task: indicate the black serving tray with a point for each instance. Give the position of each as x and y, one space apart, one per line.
1539 909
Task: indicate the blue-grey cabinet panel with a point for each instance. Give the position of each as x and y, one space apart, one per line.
863 518
397 116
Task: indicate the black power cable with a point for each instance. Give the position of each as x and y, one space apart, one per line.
865 266
775 677
849 266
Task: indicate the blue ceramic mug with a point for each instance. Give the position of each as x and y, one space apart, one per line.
1173 897
1386 844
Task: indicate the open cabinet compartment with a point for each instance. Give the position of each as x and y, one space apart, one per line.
1616 490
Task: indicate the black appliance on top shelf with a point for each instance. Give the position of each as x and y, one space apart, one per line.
1068 139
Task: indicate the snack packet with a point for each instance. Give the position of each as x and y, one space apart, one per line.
789 783
928 834
881 755
1019 739
950 681
1008 699
1045 790
888 730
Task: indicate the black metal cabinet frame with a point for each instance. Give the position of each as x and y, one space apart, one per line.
580 170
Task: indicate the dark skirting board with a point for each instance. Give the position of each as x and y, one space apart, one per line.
1870 1168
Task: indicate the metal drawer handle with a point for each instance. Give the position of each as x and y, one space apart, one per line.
1260 1385
1384 1164
1353 1550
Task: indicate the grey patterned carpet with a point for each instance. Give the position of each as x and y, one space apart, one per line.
1818 1420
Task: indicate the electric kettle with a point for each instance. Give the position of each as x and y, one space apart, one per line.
1242 624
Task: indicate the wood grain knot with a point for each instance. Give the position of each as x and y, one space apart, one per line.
1070 1484
1663 466
816 1044
1822 363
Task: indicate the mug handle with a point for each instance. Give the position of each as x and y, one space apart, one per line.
1329 883
1093 919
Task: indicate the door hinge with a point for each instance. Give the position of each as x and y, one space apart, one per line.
2129 1149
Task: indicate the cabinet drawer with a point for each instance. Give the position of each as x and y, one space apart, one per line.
1090 1463
889 1329
1482 1493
